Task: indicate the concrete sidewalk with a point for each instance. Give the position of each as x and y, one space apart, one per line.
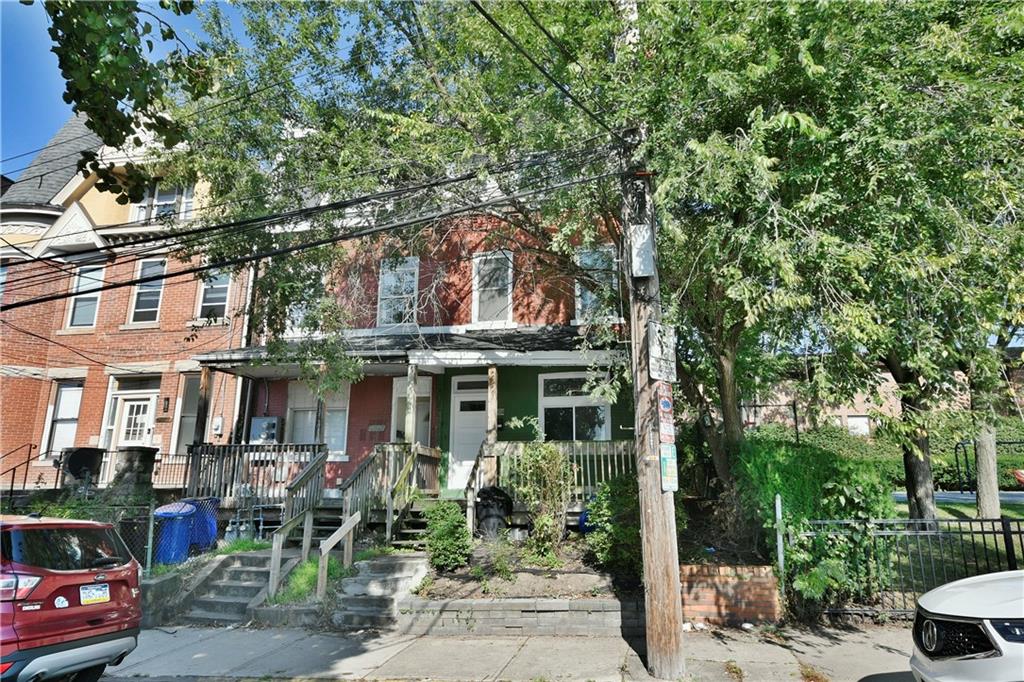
874 654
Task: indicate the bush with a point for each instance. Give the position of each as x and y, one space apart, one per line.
448 541
614 513
543 480
301 583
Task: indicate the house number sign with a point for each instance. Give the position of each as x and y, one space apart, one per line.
661 344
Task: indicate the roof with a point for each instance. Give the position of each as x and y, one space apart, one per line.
381 346
57 160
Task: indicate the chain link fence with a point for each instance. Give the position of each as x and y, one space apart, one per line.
159 537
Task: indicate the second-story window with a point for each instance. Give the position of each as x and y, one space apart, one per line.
162 201
213 302
592 290
492 287
146 305
396 303
85 300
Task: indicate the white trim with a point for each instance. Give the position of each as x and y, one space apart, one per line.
70 306
544 358
424 389
415 288
477 259
44 441
172 447
71 186
50 414
133 302
571 401
198 320
106 409
473 393
131 368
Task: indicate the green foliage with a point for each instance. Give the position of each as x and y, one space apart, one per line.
816 582
243 545
615 543
301 583
542 479
373 552
448 541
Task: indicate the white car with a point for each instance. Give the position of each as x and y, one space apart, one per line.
971 630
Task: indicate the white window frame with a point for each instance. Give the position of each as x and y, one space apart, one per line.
111 411
184 201
583 317
571 401
51 418
202 295
400 264
179 408
138 288
98 279
478 258
424 389
342 400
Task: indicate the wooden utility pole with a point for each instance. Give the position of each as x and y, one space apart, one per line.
662 590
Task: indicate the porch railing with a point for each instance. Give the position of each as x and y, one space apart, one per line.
591 463
251 472
302 496
420 471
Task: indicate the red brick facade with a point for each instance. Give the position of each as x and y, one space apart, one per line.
730 594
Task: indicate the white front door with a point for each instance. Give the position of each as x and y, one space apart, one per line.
135 425
469 427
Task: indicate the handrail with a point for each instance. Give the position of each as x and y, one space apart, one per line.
346 531
400 489
302 497
13 471
471 489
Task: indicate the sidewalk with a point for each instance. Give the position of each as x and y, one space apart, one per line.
874 654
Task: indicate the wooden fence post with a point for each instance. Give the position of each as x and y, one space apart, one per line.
275 563
307 534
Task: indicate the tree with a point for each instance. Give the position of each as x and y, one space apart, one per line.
104 50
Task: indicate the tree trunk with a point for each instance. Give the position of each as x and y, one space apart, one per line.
987 472
917 467
729 404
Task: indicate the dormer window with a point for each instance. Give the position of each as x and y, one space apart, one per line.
492 287
164 201
593 289
396 302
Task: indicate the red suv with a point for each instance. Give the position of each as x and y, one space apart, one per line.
69 599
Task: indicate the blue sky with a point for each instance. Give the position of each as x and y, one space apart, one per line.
31 106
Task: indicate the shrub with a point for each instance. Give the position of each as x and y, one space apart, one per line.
614 513
542 480
448 541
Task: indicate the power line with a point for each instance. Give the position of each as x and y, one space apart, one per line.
315 243
554 81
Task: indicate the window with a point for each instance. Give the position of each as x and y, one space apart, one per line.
189 412
85 300
568 412
492 287
396 302
147 295
302 406
398 409
858 425
213 304
162 202
64 423
592 292
122 390
74 548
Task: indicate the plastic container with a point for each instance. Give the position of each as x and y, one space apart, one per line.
204 528
175 532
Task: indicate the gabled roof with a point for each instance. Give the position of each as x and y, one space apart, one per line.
55 164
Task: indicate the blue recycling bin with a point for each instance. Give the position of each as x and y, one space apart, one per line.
175 535
204 527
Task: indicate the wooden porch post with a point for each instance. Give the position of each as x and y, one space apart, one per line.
490 462
199 432
412 375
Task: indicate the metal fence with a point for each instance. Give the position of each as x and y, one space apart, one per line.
157 537
964 454
888 564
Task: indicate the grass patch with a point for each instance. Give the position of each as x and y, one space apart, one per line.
964 511
734 671
373 552
163 569
809 673
243 545
301 583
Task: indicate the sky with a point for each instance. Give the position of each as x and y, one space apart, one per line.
31 105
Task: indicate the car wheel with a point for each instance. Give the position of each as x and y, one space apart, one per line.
92 674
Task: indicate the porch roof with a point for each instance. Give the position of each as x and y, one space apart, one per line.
553 345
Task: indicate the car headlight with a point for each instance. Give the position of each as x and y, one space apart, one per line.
1010 630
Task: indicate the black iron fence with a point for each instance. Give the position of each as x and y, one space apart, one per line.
883 566
964 456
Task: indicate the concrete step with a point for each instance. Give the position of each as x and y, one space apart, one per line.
254 560
408 544
247 574
358 620
367 602
209 618
236 588
229 606
395 565
375 587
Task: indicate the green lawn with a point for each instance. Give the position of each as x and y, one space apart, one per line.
959 510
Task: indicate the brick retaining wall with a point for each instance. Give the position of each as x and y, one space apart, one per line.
729 594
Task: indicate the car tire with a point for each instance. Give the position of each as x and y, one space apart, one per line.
92 674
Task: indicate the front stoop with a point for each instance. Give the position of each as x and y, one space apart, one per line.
370 598
227 595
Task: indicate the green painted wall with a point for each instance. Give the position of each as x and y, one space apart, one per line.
517 397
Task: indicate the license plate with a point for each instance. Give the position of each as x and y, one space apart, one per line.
94 594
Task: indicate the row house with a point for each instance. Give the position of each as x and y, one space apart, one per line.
103 368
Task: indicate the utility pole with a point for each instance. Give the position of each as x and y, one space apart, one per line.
662 589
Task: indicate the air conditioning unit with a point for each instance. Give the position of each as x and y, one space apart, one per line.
265 430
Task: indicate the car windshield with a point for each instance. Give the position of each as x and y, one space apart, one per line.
64 549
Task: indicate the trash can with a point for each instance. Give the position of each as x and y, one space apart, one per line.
204 527
174 535
493 508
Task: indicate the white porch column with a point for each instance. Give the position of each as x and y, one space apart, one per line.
490 462
412 376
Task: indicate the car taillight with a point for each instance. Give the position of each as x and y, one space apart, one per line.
15 587
5 666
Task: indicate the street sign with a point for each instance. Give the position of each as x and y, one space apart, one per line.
641 242
661 342
669 468
666 413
